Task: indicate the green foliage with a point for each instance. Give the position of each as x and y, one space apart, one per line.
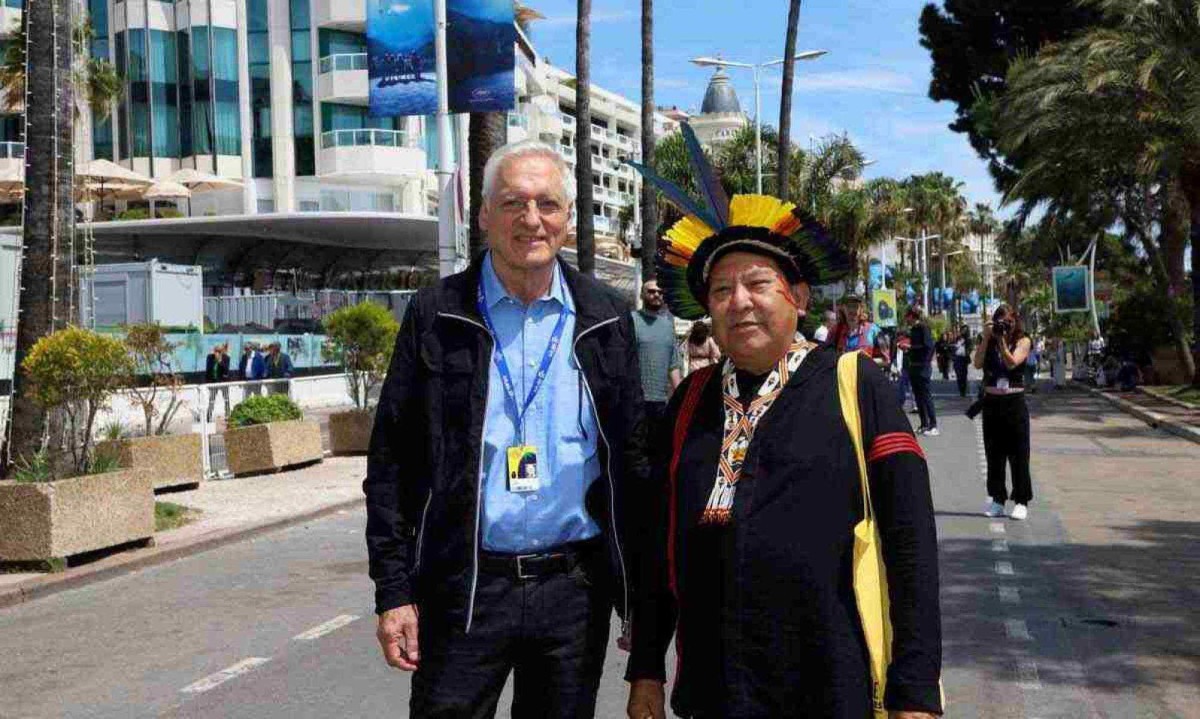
264 410
36 469
361 338
136 213
1141 319
103 462
73 373
152 379
113 431
168 515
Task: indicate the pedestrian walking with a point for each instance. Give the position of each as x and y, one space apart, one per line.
918 362
658 352
942 351
216 369
699 349
251 367
278 367
755 582
508 438
1059 367
904 396
1001 354
1031 366
855 331
828 328
963 347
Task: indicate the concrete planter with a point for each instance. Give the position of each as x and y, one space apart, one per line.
350 432
50 521
272 446
172 460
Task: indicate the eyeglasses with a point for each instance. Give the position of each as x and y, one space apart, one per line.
545 207
652 292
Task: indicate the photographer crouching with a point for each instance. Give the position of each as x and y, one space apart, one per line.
1001 354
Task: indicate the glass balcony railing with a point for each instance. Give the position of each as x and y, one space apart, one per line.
518 119
365 138
345 62
12 150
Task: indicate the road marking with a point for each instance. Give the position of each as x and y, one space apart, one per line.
1017 629
1027 675
322 629
1010 595
999 545
997 528
1004 568
212 681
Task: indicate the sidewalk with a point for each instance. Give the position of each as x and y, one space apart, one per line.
1173 416
231 510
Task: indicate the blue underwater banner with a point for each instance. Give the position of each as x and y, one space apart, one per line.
480 39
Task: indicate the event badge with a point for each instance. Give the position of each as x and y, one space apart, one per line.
1002 383
523 469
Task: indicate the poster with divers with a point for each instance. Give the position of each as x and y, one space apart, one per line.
1071 289
480 39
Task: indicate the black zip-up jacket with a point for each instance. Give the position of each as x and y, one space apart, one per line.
423 471
920 352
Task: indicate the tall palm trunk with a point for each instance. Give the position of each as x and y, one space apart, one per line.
649 202
585 244
49 205
488 132
784 152
1191 190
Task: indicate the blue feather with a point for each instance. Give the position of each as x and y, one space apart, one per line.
710 187
677 196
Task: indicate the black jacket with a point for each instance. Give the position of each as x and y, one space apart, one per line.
766 622
216 371
920 352
423 470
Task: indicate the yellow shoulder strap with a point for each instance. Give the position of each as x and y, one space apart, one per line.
847 371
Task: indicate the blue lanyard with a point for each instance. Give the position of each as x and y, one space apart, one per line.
506 378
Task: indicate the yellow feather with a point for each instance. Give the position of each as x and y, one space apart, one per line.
687 234
758 210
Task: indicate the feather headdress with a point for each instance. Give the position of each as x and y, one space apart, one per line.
753 223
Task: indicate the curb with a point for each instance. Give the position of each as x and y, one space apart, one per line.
1150 417
1169 400
44 586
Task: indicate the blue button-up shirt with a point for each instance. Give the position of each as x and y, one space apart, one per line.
561 424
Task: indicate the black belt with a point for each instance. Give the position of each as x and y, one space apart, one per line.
525 567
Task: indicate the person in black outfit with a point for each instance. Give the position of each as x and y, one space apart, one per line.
942 351
918 364
1001 354
216 369
754 496
961 355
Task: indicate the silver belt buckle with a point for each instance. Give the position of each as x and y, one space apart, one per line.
521 569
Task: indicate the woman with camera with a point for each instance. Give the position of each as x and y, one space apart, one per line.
1001 354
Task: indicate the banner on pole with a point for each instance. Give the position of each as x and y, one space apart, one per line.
884 308
480 56
1071 289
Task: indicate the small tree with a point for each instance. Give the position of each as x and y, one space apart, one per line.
361 338
152 378
73 373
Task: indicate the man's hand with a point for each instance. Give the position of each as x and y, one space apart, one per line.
647 700
397 635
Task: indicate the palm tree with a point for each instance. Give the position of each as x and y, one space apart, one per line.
783 148
649 203
49 205
585 242
736 161
834 161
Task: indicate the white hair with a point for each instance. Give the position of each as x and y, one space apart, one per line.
527 148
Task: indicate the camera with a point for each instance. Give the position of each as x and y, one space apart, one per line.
1002 327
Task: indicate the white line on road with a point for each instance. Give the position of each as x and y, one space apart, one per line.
1010 595
322 629
213 681
1017 629
1027 676
997 528
999 545
1004 568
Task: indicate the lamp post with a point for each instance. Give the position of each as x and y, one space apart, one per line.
923 265
942 257
755 68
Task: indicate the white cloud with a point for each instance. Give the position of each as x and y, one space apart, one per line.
598 18
846 81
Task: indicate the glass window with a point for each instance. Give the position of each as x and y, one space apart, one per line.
203 134
165 93
299 14
186 146
123 106
338 42
225 80
139 94
259 48
302 90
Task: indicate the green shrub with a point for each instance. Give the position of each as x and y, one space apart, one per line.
37 469
361 338
262 410
137 213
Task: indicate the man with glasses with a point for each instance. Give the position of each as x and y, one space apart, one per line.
658 352
508 432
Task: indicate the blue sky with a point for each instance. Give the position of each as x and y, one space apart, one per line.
873 85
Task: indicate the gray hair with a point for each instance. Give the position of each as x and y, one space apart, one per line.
527 148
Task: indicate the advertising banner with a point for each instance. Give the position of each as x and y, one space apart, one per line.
884 307
480 40
1071 289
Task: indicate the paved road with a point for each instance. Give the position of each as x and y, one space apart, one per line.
281 626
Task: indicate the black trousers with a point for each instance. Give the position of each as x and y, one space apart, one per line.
1006 443
551 633
960 374
654 416
920 377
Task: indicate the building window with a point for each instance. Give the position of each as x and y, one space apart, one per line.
183 45
102 131
335 116
259 48
268 206
139 94
164 93
122 107
338 42
302 89
202 110
310 206
228 122
354 201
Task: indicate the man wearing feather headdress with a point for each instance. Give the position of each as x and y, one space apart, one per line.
752 551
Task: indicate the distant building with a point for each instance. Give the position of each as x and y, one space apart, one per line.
721 114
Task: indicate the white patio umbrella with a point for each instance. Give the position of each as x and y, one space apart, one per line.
200 181
166 190
101 178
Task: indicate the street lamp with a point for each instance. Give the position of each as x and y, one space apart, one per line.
718 62
942 257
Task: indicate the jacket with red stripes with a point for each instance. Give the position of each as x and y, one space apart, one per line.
764 609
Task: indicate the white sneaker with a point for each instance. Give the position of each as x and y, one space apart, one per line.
932 432
993 509
1019 512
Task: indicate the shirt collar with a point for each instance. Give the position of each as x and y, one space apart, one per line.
496 291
